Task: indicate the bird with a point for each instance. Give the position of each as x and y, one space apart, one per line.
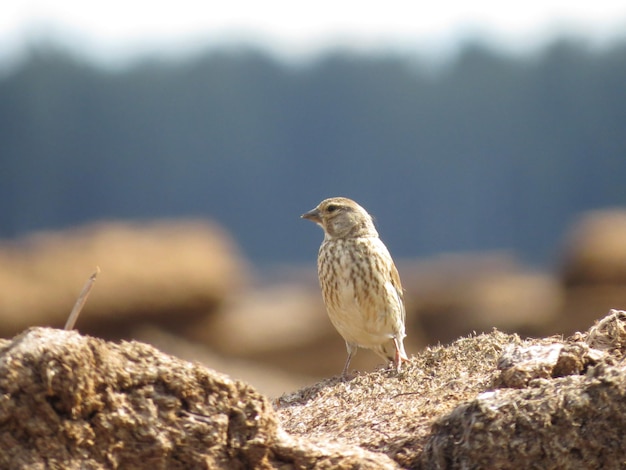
359 281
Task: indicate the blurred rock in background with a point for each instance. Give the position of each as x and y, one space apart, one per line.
593 268
165 273
454 295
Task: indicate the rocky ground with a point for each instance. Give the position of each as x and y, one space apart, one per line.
486 401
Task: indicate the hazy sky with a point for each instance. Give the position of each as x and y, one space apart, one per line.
118 29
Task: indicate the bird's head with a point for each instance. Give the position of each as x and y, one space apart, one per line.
341 217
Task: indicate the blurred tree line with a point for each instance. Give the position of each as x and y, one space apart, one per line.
489 151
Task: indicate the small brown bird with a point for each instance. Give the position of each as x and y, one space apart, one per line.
360 283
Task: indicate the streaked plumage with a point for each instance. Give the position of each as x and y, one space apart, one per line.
360 283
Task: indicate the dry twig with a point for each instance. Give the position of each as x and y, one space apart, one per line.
80 302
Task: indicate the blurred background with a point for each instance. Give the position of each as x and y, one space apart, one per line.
175 146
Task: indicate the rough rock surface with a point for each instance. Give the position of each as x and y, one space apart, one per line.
74 402
570 422
487 401
568 412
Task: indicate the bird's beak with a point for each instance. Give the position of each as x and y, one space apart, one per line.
312 215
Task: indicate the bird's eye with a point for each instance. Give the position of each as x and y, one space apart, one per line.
331 208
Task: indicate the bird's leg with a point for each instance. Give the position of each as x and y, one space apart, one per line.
398 359
351 350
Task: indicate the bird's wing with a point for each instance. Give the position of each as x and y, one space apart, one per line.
397 285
